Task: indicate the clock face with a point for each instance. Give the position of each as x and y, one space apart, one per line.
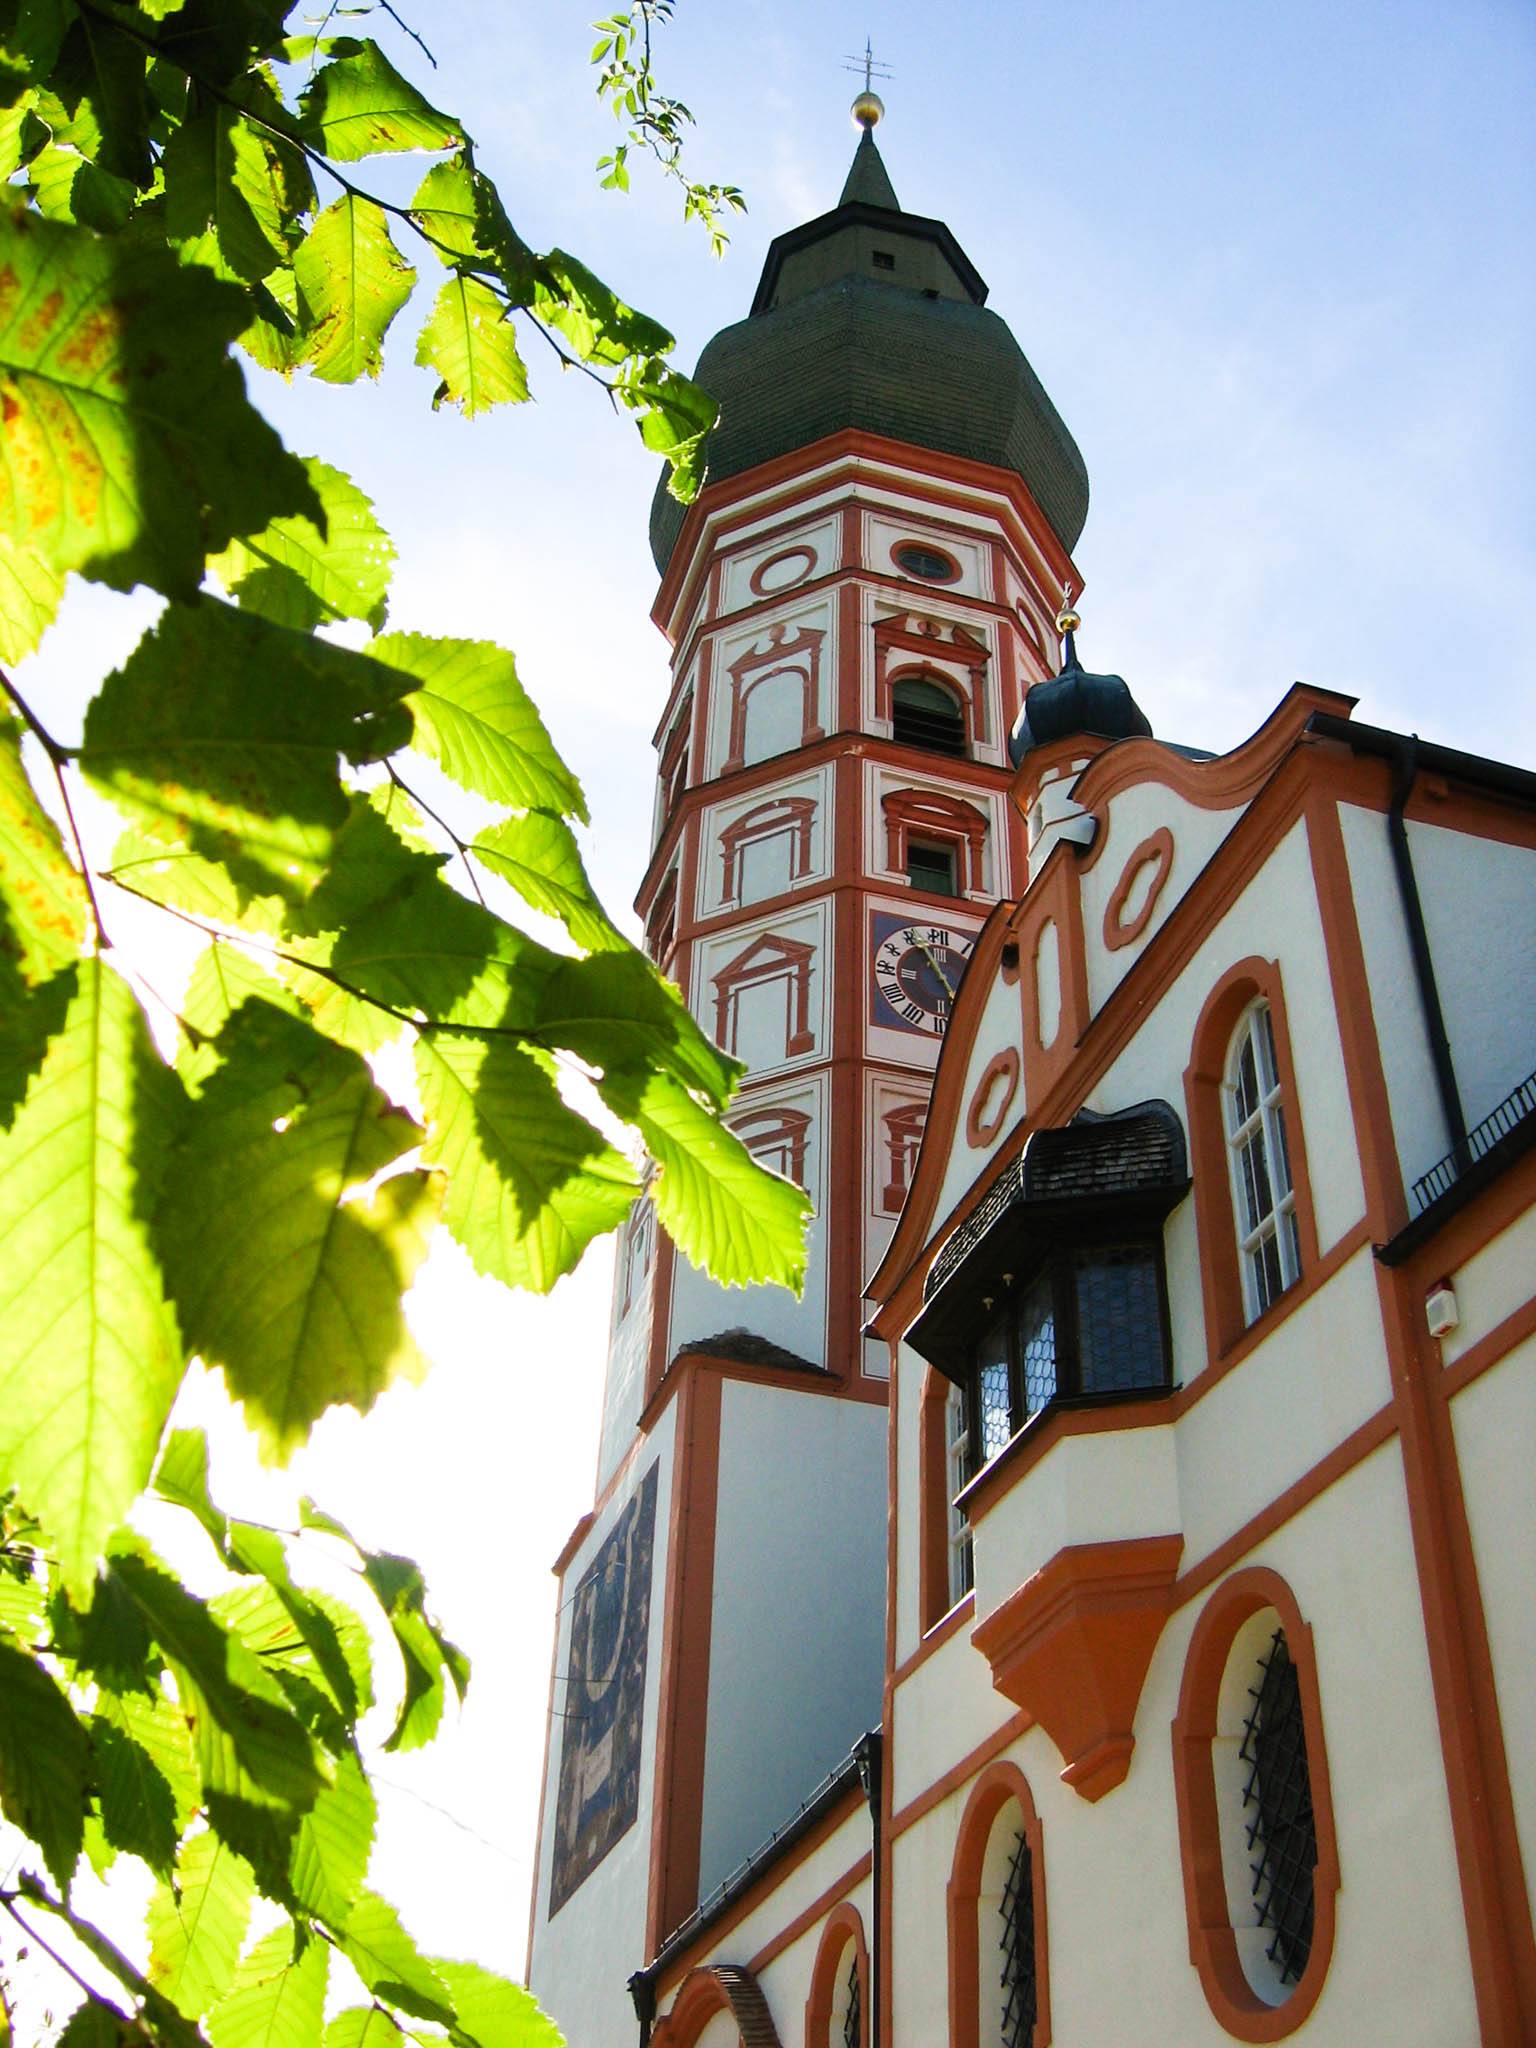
917 969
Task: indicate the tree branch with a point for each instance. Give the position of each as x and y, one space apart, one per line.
58 756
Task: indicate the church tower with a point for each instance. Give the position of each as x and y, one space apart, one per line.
856 604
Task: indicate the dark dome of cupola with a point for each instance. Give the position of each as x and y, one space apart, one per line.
873 318
1076 705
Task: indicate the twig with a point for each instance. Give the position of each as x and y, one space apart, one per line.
406 28
35 1892
460 845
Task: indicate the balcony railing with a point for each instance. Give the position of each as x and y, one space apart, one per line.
1517 1105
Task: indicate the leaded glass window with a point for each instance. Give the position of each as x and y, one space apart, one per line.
1277 1797
1018 1945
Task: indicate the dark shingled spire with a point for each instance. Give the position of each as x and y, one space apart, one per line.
868 179
873 319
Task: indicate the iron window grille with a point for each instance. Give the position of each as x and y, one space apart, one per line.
1018 1946
852 2016
1282 1830
1263 1189
1089 1323
925 714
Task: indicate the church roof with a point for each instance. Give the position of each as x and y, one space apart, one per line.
874 318
1076 704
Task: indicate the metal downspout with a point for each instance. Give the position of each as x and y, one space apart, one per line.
642 1989
1407 756
869 1752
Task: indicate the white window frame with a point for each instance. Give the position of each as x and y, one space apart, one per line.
1256 1132
961 1564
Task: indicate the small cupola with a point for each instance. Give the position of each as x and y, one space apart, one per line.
1076 705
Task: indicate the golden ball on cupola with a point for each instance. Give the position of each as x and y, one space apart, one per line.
868 108
1067 620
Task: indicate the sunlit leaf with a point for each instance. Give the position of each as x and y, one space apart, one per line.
492 2012
479 724
537 853
42 897
334 1842
300 1305
470 341
157 1728
30 593
138 1806
530 1183
359 105
130 446
389 1962
300 574
431 1661
197 1925
364 2026
92 1359
225 730
726 1213
352 281
278 1999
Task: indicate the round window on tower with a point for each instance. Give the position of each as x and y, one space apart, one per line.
924 560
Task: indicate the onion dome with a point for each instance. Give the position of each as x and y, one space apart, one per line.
873 318
1076 704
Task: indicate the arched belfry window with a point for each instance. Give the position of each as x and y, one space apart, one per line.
927 713
1263 1188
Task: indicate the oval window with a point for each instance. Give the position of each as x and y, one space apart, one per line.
931 564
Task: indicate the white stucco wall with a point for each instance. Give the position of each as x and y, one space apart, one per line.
1495 1423
797 1638
584 1955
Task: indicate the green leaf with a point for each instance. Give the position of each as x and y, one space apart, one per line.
724 1211
22 1606
364 2026
479 724
222 731
44 1761
596 321
92 1359
30 593
359 105
304 575
196 1927
96 2024
390 1964
537 853
181 1477
252 1750
131 448
220 173
352 281
110 1642
293 1632
42 896
157 1728
371 863
333 1845
449 208
69 187
278 2000
470 341
138 1807
158 863
530 1183
300 1301
616 1012
100 78
431 952
426 1653
492 2012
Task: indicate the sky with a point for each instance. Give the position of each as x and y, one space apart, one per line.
1275 268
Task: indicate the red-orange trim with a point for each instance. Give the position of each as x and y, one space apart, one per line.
755 581
713 1988
992 1098
930 547
1212 1945
1489 1349
843 1926
1156 850
1073 1645
992 1791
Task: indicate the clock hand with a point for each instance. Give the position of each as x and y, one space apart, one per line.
933 961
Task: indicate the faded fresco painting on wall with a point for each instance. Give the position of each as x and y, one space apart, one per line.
604 1698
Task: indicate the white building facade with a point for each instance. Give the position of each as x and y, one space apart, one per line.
1099 1611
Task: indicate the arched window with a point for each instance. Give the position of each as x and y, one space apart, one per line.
998 1991
1255 1820
926 713
1263 1188
837 2011
1253 1198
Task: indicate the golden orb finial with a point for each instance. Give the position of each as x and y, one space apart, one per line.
868 106
1068 619
867 109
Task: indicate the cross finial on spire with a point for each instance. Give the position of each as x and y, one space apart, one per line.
868 105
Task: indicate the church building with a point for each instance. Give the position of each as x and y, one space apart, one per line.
1098 1611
